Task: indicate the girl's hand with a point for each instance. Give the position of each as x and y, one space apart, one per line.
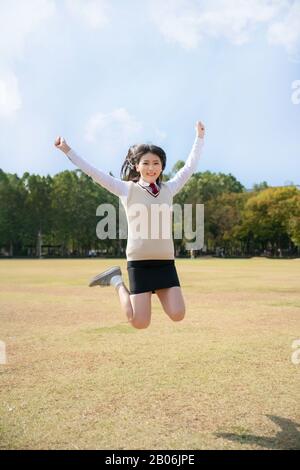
200 129
61 144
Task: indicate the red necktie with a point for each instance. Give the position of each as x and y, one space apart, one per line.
153 188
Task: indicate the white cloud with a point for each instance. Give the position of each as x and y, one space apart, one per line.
18 19
95 13
10 98
117 125
114 132
287 31
189 22
176 20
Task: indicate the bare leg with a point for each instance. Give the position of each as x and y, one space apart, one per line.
137 307
124 297
172 302
141 306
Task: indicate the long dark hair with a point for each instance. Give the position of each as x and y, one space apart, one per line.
135 153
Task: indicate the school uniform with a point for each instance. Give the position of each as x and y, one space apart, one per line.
150 247
150 261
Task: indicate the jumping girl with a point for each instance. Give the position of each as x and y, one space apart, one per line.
150 261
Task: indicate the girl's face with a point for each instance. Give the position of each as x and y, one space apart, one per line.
149 167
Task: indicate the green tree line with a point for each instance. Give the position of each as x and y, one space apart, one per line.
56 216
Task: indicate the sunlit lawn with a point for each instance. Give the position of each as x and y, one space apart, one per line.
79 376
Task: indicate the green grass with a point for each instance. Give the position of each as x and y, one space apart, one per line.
80 377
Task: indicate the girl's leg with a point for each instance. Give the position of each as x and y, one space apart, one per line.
137 307
124 297
172 302
141 306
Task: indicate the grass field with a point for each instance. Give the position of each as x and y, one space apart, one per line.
78 376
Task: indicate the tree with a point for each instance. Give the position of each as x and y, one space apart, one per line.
12 211
270 216
39 215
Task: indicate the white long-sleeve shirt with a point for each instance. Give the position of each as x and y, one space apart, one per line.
121 188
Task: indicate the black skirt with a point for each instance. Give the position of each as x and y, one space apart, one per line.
149 275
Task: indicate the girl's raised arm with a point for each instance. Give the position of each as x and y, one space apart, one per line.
112 184
178 181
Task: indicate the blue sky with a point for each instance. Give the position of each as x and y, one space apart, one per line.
108 74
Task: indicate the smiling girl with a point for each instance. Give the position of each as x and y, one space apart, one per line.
150 261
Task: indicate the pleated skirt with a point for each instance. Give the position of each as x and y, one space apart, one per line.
149 275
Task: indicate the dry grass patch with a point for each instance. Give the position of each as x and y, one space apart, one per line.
79 376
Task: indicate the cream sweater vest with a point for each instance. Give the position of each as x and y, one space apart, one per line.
149 221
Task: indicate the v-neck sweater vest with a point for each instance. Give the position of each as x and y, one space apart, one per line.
149 220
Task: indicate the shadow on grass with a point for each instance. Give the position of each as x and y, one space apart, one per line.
287 438
126 328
